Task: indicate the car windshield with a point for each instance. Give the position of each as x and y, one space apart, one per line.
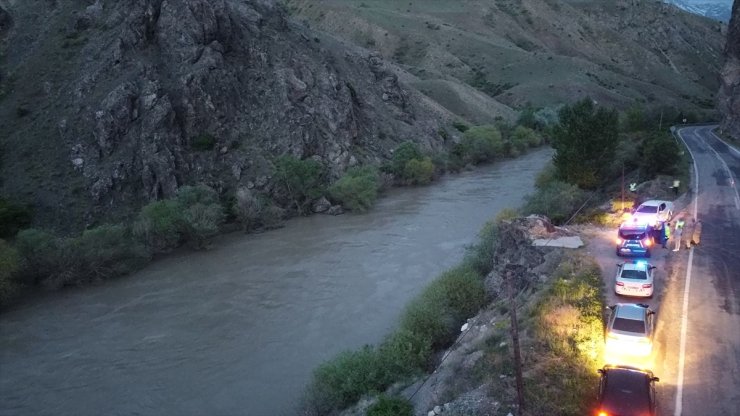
648 210
631 234
629 325
634 274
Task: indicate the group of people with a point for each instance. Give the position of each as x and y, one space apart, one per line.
662 233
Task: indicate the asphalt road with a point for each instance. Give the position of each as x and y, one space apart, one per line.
707 281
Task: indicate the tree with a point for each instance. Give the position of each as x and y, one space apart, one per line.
659 155
584 142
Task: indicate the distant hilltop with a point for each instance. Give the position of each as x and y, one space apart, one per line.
717 10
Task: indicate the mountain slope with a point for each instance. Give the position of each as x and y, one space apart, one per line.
729 94
542 52
106 105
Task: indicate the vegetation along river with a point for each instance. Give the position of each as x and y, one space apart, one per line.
238 329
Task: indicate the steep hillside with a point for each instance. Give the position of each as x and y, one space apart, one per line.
539 52
108 104
729 93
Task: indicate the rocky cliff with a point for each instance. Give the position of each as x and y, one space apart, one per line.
729 93
107 105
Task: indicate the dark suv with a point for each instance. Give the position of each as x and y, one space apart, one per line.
634 239
626 391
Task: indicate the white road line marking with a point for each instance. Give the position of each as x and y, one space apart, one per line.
696 175
731 147
733 182
687 286
684 330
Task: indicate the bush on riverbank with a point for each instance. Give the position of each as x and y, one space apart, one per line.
409 166
480 144
112 250
391 406
438 311
8 266
301 180
553 198
357 189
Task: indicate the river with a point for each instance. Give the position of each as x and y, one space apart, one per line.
237 330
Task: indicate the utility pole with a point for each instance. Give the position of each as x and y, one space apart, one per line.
660 123
515 342
622 206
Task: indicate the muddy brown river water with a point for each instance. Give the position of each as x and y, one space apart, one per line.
237 330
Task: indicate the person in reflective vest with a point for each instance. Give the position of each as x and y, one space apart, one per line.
666 233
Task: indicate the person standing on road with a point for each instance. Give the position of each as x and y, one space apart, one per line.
666 233
677 234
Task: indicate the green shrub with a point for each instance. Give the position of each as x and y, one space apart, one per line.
546 176
461 126
557 200
419 171
9 260
391 406
201 213
480 255
343 380
523 138
546 117
13 217
403 354
203 142
39 253
527 118
159 225
248 208
634 119
301 180
404 153
357 189
480 144
101 253
439 310
271 216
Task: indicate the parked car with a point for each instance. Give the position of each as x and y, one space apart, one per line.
627 391
634 239
629 330
650 212
635 279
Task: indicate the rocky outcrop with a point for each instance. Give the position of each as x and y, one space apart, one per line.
155 94
729 93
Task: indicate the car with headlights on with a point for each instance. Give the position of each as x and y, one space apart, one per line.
625 390
629 330
635 279
653 211
634 240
